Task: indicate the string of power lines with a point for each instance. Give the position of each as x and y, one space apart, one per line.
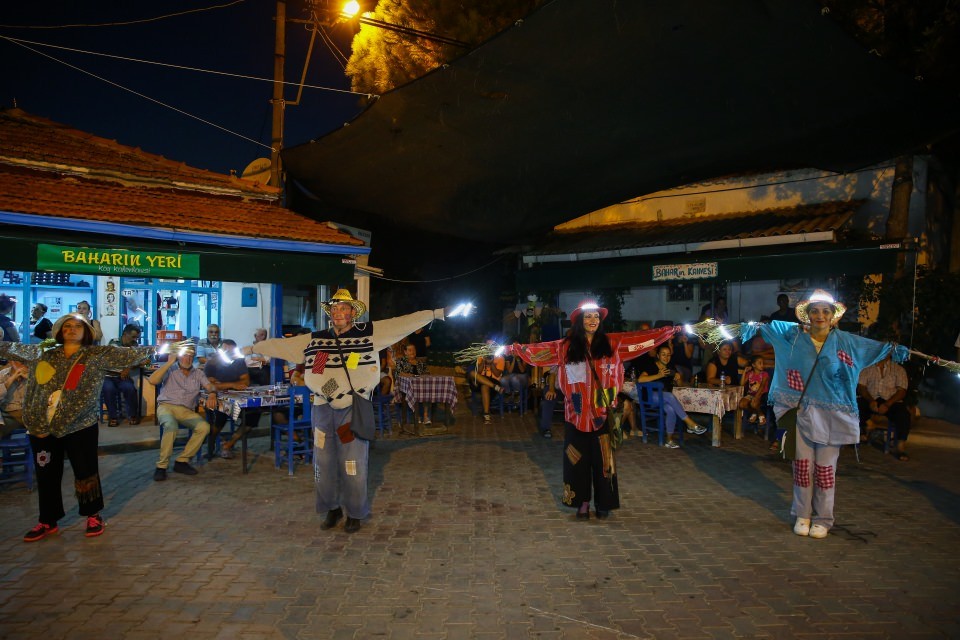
317 27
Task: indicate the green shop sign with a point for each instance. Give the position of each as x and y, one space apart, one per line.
117 262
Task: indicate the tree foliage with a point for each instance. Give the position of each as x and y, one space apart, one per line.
382 60
935 321
920 37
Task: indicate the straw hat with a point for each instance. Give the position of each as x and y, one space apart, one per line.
342 295
75 316
588 305
819 295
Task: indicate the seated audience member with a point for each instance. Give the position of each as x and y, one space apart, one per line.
209 345
410 365
117 382
516 375
83 308
13 385
10 333
757 346
387 367
718 312
756 384
41 325
258 367
485 378
421 340
784 312
176 406
227 371
659 371
880 392
724 363
551 396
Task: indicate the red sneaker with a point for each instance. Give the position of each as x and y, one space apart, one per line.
95 526
40 532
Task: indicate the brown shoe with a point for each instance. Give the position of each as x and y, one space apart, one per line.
134 421
113 423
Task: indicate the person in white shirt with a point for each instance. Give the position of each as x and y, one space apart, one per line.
880 392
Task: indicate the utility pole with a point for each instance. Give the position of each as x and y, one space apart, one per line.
279 58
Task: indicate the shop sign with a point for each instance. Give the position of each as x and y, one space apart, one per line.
692 271
120 262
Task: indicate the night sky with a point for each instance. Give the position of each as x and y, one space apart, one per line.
236 39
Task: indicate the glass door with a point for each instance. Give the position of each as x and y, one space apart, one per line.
135 307
201 312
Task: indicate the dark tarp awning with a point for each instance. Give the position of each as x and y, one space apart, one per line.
586 104
224 264
824 261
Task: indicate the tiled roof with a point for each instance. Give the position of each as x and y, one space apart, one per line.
831 216
51 170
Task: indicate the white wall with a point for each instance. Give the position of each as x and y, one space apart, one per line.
239 323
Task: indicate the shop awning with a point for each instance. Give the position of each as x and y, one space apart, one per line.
223 264
820 262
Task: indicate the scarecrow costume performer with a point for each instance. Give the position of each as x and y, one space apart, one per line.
347 348
590 373
817 369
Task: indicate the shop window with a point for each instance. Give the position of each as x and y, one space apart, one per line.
680 292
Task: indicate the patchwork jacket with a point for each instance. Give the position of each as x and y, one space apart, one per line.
63 393
583 406
326 371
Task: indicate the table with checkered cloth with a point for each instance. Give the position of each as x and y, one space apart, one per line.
712 400
428 389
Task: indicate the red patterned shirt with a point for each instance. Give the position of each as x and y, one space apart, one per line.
583 406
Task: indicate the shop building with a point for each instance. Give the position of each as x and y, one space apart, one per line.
744 238
151 241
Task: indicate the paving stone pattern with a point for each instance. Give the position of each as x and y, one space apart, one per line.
469 540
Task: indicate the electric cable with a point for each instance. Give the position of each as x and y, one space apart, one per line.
144 96
122 24
23 43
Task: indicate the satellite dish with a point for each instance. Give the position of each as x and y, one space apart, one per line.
257 171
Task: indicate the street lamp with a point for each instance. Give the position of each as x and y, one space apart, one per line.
351 11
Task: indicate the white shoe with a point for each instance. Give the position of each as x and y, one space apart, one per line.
426 421
698 430
818 531
671 444
802 527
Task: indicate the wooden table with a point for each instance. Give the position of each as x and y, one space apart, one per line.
418 389
715 401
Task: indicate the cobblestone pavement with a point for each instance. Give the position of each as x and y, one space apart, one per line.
469 540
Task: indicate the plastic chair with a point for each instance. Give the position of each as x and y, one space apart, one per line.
285 444
650 411
519 405
383 410
17 457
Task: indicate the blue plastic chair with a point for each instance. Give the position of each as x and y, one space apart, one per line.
285 436
17 456
383 410
650 411
520 405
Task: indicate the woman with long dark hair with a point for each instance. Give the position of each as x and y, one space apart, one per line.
590 373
